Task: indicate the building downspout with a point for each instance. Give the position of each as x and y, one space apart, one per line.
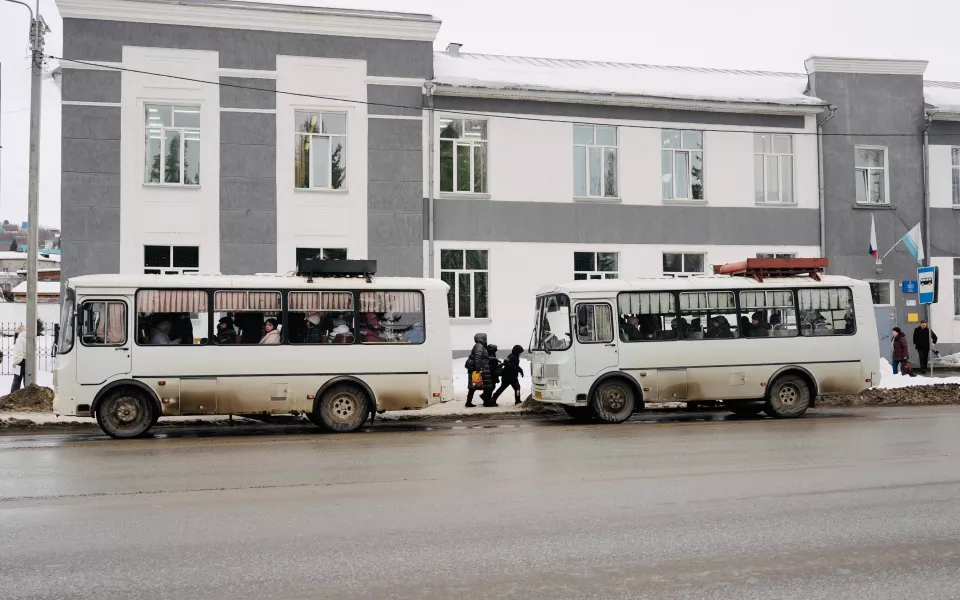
428 86
820 184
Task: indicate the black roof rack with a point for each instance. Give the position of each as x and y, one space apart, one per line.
318 267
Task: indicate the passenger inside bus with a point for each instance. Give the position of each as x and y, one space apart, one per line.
226 332
160 334
271 333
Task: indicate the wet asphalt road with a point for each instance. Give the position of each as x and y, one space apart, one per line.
858 504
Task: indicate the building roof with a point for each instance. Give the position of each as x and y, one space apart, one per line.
295 8
43 287
945 95
616 78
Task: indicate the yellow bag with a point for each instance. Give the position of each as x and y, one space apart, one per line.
476 380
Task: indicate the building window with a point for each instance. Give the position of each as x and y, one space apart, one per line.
463 156
956 287
323 253
871 172
682 164
595 265
594 161
465 271
683 264
882 292
773 168
776 255
955 172
320 150
172 144
171 260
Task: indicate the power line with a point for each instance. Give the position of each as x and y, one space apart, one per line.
460 112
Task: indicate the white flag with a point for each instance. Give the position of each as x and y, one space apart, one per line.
914 243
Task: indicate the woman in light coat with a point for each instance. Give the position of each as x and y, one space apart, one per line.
272 335
19 358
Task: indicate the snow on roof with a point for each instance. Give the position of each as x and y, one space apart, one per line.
945 95
295 7
8 255
43 287
591 77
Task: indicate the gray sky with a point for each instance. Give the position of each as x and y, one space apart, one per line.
746 34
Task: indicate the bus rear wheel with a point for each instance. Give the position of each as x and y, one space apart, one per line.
342 409
613 401
788 397
126 413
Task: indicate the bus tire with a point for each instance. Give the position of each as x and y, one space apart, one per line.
789 397
343 408
745 409
126 413
613 401
579 414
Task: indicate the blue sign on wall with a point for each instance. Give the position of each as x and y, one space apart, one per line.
909 287
928 284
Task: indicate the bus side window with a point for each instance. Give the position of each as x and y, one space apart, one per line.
594 323
769 313
826 311
321 318
104 323
165 317
391 318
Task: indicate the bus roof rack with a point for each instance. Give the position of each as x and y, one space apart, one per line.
318 267
758 268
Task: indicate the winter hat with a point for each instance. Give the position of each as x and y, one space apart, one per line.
314 318
518 349
492 348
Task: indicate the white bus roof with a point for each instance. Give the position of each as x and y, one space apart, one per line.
266 281
706 282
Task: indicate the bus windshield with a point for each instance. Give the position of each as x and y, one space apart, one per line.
552 328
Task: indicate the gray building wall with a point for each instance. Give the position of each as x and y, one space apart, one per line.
248 199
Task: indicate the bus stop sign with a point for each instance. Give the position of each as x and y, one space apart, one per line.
927 278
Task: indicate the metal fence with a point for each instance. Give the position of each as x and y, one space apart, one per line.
46 347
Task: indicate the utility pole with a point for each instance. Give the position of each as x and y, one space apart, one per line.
37 30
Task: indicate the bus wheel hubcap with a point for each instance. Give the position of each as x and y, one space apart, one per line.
343 407
126 411
612 399
788 394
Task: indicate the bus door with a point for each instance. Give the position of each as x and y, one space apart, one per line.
596 350
104 349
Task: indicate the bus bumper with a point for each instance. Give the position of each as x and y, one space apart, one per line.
66 406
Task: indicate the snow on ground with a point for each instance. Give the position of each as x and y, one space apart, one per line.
950 360
890 381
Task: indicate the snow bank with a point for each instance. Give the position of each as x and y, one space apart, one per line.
687 83
890 381
950 360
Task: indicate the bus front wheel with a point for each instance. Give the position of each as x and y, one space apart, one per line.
788 397
613 401
342 409
126 413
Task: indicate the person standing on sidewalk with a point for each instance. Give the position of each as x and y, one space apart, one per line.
923 336
901 350
18 359
478 370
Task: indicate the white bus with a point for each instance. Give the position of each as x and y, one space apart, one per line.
601 349
134 348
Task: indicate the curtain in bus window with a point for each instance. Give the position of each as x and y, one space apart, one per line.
116 323
391 318
172 301
827 311
247 301
308 301
603 323
646 303
404 302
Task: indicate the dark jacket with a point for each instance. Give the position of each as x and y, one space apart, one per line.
496 368
922 338
479 359
511 368
901 350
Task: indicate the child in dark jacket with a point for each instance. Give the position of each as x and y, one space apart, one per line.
511 372
495 368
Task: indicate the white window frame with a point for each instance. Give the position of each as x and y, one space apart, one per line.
777 254
473 284
891 285
164 130
955 175
329 161
595 275
586 162
683 261
673 167
472 144
171 270
886 175
763 169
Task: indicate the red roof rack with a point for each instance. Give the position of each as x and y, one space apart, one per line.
758 268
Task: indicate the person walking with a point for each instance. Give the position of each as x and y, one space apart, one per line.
923 336
901 350
511 373
478 370
19 358
495 369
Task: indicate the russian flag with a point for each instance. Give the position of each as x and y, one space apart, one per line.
873 239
